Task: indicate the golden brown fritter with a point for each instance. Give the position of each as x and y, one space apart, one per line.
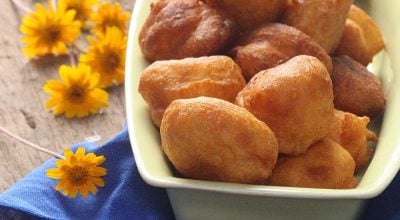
212 139
351 132
323 21
325 165
353 43
249 14
273 44
372 33
176 29
355 89
294 99
164 81
361 38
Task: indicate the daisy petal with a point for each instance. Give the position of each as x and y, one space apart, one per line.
54 173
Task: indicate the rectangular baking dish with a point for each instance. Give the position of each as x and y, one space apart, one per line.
197 199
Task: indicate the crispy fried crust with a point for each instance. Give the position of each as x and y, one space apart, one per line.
355 89
212 139
176 29
361 38
249 14
325 165
352 134
273 44
164 81
294 99
323 21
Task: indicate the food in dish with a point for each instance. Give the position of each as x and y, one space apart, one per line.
212 139
353 43
294 99
176 29
355 89
288 104
164 81
325 165
323 21
361 39
273 44
351 132
249 14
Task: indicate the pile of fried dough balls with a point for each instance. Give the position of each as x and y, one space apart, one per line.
263 91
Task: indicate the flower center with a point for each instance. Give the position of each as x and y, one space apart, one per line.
78 175
76 94
112 62
110 23
52 35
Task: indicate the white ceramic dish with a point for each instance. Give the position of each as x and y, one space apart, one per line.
197 199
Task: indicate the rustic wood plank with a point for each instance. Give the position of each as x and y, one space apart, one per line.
22 104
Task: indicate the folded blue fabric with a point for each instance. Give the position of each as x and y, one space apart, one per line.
386 205
125 195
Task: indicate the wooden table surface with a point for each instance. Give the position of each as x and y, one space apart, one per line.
22 103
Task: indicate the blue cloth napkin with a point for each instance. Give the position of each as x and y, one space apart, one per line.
125 195
386 205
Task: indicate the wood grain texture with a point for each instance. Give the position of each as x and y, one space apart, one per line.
22 103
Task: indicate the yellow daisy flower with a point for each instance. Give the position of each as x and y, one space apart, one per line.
47 31
78 172
76 94
83 8
109 15
106 56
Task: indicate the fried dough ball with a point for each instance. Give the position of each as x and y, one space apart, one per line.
361 38
176 29
273 44
352 134
164 81
212 139
323 21
372 33
353 43
355 89
249 14
294 99
325 165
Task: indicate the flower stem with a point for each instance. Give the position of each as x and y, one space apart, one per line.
72 59
21 6
80 50
54 4
30 144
